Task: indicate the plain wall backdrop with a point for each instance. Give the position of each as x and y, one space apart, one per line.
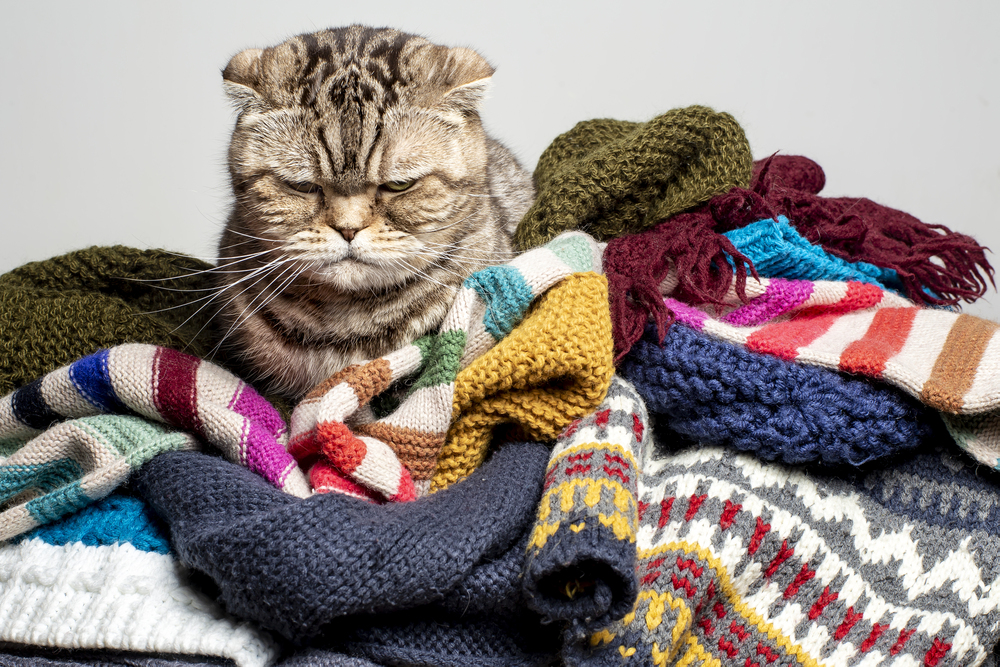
114 124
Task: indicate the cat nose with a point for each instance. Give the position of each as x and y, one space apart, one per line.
348 234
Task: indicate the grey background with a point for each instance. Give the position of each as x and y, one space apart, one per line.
113 125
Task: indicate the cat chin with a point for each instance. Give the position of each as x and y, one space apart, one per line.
353 275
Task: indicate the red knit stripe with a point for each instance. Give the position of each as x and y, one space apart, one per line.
883 340
175 391
344 451
783 339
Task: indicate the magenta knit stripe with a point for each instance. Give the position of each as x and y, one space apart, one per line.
263 453
780 297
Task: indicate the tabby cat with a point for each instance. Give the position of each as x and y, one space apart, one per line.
366 191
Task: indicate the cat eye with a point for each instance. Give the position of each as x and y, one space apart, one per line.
398 186
305 187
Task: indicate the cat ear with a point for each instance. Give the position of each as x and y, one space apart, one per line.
240 80
467 75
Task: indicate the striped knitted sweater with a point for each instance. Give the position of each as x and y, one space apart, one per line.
526 343
75 434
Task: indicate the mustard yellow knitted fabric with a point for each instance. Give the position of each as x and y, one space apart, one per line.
610 177
556 366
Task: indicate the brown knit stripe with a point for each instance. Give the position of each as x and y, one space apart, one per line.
417 450
366 380
956 366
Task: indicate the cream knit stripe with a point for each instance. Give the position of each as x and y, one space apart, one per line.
217 391
380 469
119 598
428 409
62 396
133 376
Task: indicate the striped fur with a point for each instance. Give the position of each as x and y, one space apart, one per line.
365 191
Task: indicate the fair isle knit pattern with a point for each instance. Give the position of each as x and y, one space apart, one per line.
101 580
580 560
949 361
152 382
746 563
395 458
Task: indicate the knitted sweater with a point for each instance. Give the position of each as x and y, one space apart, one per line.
104 579
438 576
723 559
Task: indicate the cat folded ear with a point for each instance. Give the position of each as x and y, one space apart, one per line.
467 79
240 80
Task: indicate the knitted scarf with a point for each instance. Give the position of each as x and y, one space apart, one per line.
932 264
484 368
948 361
722 559
68 464
610 177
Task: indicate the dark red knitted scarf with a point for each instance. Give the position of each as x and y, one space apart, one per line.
935 265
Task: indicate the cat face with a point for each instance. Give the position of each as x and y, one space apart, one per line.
358 152
365 192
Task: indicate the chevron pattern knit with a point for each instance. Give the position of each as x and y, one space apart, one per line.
611 177
153 382
381 458
744 563
104 580
581 558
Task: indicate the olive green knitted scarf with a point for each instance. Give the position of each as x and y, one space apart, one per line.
55 311
611 177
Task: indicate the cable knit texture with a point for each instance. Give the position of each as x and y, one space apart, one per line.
610 177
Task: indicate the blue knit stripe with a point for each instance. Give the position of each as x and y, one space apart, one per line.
777 250
57 504
30 407
42 476
507 296
115 519
91 377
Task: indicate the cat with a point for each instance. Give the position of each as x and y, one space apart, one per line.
366 190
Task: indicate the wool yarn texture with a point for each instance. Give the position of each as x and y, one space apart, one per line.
104 581
742 562
717 393
948 361
510 332
299 567
75 434
580 563
59 310
610 177
932 264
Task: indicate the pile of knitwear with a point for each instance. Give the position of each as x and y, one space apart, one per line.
706 417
